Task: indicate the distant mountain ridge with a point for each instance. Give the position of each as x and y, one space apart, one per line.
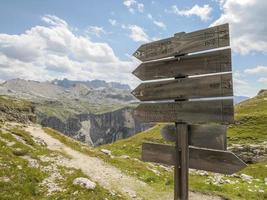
95 84
239 99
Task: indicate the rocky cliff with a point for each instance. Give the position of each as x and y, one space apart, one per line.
96 129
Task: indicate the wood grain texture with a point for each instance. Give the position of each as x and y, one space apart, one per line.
199 158
181 162
204 63
183 43
211 136
192 112
186 88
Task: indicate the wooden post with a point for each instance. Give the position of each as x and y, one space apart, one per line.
181 166
182 163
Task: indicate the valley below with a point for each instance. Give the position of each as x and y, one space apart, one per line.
57 144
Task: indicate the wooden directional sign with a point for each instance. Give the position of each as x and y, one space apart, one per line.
211 136
204 63
196 78
186 88
199 158
187 111
183 43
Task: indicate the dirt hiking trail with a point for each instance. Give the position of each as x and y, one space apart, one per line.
106 175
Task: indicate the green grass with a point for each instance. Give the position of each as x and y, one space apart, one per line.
251 117
250 128
164 181
14 103
20 181
64 110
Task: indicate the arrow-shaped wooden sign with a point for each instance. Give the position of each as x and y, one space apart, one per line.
204 63
220 111
211 136
182 43
186 88
199 158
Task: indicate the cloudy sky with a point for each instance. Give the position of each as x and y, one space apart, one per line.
85 40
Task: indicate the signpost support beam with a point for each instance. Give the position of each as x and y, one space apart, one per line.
182 163
181 167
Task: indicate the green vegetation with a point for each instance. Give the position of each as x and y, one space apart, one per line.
64 110
249 128
13 103
251 118
19 179
162 179
12 109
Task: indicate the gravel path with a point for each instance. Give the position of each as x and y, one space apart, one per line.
106 175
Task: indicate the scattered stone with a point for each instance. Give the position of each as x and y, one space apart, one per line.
246 178
4 179
105 151
51 182
125 157
250 153
84 182
39 141
32 162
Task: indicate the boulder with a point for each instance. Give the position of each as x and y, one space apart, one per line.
84 182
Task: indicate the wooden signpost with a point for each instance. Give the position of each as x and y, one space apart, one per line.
196 77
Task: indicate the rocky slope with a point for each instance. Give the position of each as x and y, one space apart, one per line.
12 109
96 129
94 112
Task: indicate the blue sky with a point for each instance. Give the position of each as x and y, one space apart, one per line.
44 40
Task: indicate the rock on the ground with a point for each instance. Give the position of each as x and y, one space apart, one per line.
246 178
105 151
250 153
125 157
84 182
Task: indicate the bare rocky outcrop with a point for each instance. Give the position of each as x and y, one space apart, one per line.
250 153
97 129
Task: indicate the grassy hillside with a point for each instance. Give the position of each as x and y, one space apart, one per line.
250 128
28 171
15 156
12 109
251 121
161 177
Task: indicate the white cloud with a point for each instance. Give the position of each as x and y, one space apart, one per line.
259 70
113 22
157 23
203 12
54 51
242 87
138 34
140 7
248 27
95 30
149 16
263 80
134 5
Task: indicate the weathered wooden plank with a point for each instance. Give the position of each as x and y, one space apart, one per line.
183 43
210 136
190 111
186 88
181 162
204 63
158 153
199 158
